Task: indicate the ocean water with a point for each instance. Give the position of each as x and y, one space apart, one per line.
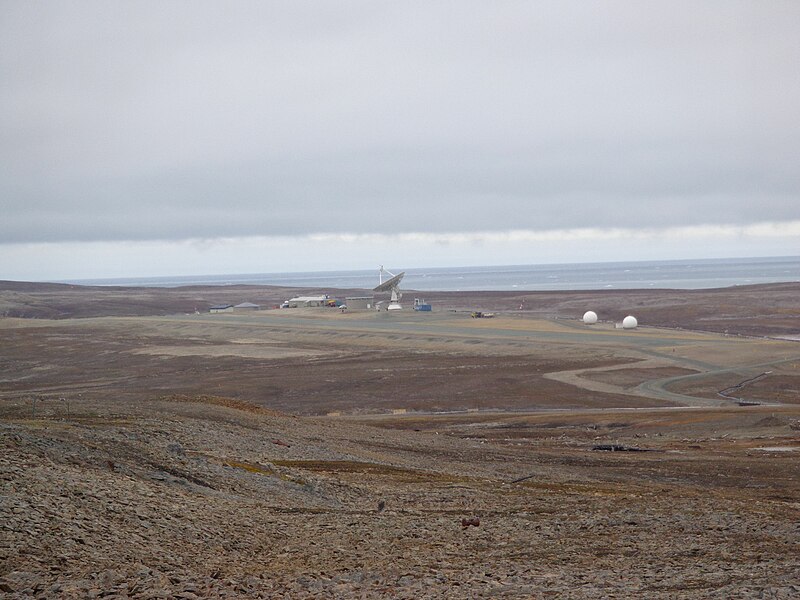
676 274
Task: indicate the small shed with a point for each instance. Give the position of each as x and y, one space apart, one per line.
221 308
421 305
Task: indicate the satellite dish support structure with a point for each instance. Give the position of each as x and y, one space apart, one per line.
391 285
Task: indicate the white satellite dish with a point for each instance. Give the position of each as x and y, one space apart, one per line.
630 322
590 317
391 285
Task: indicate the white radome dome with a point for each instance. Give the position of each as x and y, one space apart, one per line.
629 322
590 317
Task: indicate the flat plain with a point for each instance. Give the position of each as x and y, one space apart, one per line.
153 451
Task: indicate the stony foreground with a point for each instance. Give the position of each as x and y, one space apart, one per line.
192 498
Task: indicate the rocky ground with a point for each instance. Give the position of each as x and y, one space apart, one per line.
201 497
186 456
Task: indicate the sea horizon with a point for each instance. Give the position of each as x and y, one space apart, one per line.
660 274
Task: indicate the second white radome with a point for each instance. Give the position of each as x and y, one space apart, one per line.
630 322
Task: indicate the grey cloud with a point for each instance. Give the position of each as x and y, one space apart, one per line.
180 120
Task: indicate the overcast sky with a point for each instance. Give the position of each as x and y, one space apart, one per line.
157 138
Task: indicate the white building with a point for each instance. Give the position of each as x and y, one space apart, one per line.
303 301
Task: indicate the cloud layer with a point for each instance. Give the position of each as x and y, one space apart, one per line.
169 121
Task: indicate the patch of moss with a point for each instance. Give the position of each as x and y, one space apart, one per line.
250 468
365 468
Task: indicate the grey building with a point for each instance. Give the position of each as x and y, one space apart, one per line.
360 302
246 307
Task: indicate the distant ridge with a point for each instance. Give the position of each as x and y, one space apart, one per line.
675 274
38 286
